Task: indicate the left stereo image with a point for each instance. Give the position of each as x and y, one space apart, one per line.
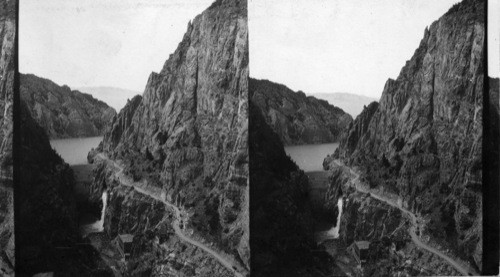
133 133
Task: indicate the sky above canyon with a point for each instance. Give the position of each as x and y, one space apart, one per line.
316 46
494 38
101 43
353 46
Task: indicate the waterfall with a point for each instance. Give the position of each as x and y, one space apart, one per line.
334 231
96 226
100 223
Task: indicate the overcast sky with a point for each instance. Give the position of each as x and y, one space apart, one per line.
337 45
493 38
312 45
114 43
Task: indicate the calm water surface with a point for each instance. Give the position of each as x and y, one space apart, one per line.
310 157
74 151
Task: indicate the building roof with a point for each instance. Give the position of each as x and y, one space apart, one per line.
362 244
126 237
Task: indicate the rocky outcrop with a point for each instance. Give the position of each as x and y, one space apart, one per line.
357 129
47 238
297 118
7 73
61 112
119 124
424 140
187 135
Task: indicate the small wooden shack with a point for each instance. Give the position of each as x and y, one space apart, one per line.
125 244
359 250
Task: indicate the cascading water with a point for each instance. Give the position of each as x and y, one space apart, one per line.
334 232
97 226
100 223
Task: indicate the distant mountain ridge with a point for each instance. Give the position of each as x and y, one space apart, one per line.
297 118
62 112
351 103
113 96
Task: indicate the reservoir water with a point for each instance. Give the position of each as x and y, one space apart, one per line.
310 157
74 151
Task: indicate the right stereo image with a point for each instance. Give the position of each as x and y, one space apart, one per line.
374 138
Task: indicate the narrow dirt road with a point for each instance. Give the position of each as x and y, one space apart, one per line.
461 268
127 181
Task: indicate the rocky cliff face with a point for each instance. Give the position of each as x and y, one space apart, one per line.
187 135
424 140
61 112
7 72
297 118
357 129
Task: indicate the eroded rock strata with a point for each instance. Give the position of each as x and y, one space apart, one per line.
423 143
185 140
7 66
62 112
297 118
